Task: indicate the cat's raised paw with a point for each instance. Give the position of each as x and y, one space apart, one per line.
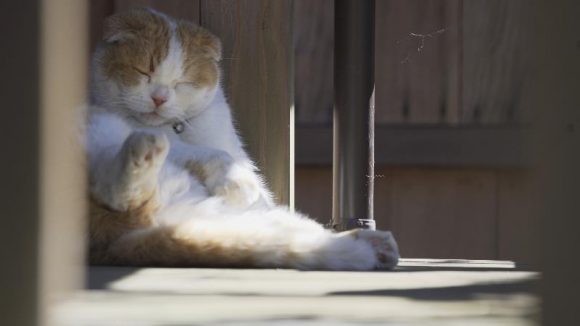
385 246
145 152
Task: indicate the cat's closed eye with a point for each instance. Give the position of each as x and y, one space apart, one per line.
140 71
187 83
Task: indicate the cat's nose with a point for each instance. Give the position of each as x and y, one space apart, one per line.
158 100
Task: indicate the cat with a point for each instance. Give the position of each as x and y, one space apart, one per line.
170 182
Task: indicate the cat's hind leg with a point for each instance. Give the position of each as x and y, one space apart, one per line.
383 243
263 239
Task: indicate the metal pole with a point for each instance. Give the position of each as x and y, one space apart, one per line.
353 162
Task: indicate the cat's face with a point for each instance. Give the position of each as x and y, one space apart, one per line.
155 70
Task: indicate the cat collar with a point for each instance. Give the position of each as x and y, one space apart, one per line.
178 127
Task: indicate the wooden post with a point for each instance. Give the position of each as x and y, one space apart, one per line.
258 59
556 144
63 94
44 76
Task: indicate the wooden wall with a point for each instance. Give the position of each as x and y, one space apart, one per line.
443 67
451 62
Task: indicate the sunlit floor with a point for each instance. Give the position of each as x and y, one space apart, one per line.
418 292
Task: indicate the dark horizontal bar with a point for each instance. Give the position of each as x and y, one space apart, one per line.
424 145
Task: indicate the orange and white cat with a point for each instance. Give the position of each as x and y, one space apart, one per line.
170 181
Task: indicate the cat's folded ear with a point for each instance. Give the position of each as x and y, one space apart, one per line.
211 45
199 40
123 26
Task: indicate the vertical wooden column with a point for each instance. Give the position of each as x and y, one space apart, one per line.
353 163
555 99
19 193
257 61
43 87
64 41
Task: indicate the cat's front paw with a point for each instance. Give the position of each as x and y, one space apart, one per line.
384 244
235 182
238 191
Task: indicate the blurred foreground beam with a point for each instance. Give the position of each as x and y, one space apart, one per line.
556 144
353 162
43 86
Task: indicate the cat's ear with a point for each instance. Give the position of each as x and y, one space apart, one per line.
123 26
116 30
211 45
214 47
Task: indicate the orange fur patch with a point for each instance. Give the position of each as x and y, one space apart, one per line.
106 226
202 52
137 40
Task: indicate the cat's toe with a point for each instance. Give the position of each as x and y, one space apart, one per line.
385 246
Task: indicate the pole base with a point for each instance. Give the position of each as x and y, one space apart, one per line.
356 223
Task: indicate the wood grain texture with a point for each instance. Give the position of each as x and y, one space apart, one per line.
313 51
445 213
495 61
517 226
314 192
426 146
183 9
258 57
416 61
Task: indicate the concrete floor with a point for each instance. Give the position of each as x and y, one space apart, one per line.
418 292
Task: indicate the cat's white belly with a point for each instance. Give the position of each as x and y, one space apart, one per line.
179 193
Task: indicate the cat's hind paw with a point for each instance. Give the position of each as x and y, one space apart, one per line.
385 246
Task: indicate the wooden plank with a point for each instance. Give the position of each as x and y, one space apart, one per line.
517 232
427 146
443 213
314 192
257 43
314 66
433 212
496 43
416 66
183 9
